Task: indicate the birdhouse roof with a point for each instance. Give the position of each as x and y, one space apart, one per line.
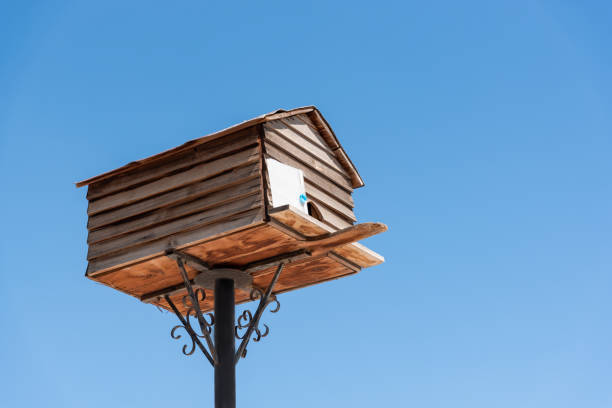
311 111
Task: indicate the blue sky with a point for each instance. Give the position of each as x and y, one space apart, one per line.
482 130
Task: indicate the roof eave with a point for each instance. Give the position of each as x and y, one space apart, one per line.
311 111
335 145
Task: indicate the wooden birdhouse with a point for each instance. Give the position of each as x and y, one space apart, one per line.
277 186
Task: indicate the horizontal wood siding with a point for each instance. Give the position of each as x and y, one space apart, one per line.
171 182
189 203
316 150
304 118
294 142
330 201
203 188
184 239
173 227
330 217
314 161
199 154
310 175
166 214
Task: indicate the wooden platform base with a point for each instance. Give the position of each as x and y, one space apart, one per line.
325 255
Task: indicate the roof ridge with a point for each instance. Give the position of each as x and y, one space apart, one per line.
277 114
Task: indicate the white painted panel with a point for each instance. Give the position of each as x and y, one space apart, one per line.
286 185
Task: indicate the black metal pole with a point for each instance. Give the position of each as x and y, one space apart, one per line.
225 369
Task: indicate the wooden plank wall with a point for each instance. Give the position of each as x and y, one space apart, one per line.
197 193
297 142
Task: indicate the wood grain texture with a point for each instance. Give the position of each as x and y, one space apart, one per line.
308 163
215 200
324 130
294 219
330 201
302 274
145 277
207 198
188 223
360 255
298 145
310 175
319 159
294 276
330 217
342 237
327 133
171 182
334 258
263 171
314 137
246 247
304 118
308 115
193 191
177 241
180 161
297 124
311 227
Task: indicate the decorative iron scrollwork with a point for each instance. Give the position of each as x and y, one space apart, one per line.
257 293
200 294
246 321
178 336
246 318
250 322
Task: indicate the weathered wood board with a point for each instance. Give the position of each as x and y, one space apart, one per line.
285 233
211 198
295 141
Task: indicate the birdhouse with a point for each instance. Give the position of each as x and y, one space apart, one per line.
278 186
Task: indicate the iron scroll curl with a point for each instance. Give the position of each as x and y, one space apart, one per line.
187 301
250 321
245 319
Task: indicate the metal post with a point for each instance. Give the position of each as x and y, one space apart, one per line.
225 347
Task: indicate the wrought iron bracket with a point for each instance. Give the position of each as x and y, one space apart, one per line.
205 280
250 322
195 297
195 338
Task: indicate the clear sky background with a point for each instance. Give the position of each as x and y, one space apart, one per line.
484 135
